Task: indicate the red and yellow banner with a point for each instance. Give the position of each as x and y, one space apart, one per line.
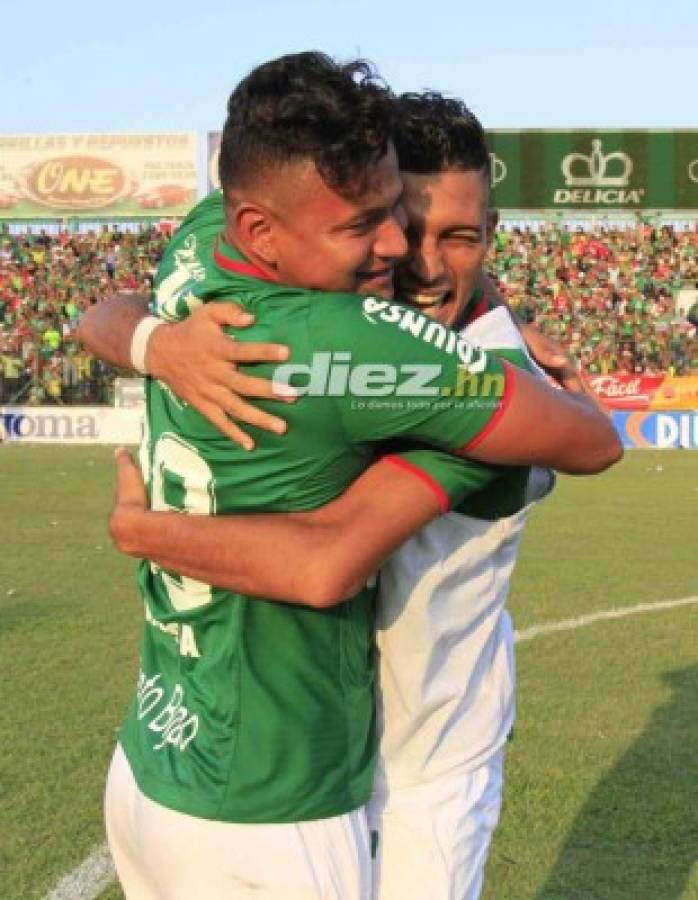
646 392
97 175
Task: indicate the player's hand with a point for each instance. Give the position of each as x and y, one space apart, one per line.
552 357
199 361
130 502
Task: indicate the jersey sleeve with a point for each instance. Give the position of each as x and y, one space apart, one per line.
393 372
451 478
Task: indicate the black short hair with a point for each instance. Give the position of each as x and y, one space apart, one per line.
306 105
434 133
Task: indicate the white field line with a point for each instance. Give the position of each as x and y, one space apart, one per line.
89 880
602 616
96 873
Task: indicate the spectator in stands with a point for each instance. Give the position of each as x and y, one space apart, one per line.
11 370
693 315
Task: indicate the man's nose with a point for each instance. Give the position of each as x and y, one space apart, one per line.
426 262
391 242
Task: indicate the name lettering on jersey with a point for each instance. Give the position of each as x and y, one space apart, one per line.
174 722
427 330
180 631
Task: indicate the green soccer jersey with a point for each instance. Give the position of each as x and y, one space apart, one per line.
248 710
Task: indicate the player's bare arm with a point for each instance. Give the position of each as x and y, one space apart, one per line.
106 328
197 360
572 434
335 548
543 426
195 357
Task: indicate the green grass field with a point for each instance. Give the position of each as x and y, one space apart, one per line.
601 798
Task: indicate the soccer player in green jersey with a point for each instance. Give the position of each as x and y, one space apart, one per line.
446 191
264 711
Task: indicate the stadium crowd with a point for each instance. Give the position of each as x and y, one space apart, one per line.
607 295
46 282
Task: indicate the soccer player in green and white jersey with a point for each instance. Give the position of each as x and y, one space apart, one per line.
251 712
445 716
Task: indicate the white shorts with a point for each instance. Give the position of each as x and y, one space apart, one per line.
164 854
431 840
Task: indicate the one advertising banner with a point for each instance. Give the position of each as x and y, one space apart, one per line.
594 170
582 170
646 391
658 430
97 175
70 424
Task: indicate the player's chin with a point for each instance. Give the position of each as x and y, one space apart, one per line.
381 284
450 310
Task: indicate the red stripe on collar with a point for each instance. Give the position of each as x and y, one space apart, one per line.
238 266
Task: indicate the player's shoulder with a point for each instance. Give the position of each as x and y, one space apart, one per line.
206 214
496 331
198 231
387 330
187 265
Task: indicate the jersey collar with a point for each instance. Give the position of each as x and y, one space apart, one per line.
230 259
474 308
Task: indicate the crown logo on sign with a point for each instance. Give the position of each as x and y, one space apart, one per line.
498 169
590 171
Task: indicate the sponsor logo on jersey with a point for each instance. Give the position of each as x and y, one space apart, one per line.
182 633
166 716
334 374
473 358
598 178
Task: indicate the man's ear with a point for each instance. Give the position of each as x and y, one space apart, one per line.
254 228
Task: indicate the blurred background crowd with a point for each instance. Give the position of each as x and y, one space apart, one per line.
608 295
46 282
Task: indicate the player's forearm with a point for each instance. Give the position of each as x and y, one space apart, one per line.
547 427
318 558
106 329
279 557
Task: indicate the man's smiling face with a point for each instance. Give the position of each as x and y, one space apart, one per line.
448 230
330 242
